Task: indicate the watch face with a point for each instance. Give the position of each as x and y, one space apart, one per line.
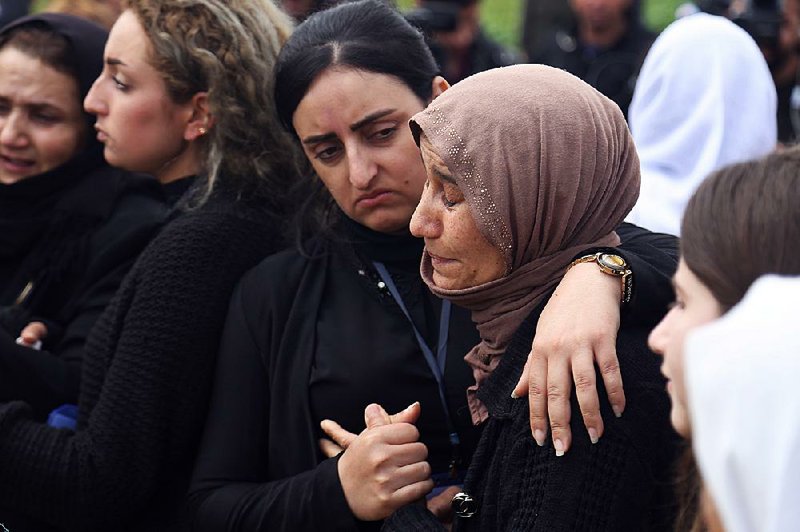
613 262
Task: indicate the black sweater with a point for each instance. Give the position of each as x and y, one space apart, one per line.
145 384
89 238
622 483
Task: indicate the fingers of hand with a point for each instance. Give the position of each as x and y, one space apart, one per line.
34 332
442 505
378 477
328 448
586 392
558 392
375 416
335 431
409 415
612 378
537 397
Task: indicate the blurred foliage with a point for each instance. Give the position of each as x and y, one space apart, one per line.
503 18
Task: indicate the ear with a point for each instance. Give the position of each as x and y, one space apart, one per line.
200 120
439 85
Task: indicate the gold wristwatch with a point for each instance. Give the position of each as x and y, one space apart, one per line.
611 264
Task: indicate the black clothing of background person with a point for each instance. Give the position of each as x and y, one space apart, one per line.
623 482
147 373
68 236
259 465
11 10
612 71
484 54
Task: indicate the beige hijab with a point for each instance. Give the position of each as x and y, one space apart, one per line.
548 168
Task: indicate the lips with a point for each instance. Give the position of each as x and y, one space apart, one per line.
438 261
102 136
16 164
373 198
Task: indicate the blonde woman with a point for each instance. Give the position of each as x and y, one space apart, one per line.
184 96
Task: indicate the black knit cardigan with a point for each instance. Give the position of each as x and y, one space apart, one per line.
146 379
622 483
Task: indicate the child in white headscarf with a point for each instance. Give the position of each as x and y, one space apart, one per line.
741 379
704 99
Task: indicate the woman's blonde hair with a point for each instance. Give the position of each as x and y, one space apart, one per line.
227 48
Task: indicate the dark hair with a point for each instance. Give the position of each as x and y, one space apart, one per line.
365 35
743 222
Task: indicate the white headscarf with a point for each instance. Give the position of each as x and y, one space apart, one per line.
744 400
704 99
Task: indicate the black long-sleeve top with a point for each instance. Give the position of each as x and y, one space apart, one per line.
77 236
621 483
259 467
147 374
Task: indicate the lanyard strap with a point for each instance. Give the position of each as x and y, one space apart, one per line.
436 364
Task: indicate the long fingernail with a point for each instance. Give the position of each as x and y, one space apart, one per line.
593 436
559 445
617 411
539 436
514 394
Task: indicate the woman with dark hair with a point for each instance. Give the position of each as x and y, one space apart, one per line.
483 215
320 332
741 223
185 96
70 226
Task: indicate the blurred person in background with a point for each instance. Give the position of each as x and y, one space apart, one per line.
541 18
704 99
103 12
605 47
775 26
458 42
11 10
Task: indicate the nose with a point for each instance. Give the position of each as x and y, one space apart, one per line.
657 340
93 103
361 168
425 222
12 131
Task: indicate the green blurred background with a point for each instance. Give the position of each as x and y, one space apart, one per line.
503 18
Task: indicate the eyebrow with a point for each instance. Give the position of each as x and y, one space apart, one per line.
372 117
113 61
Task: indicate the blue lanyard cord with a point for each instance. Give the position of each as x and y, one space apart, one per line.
438 363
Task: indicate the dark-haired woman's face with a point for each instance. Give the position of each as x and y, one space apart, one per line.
353 126
42 125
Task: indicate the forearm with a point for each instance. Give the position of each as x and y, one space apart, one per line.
310 501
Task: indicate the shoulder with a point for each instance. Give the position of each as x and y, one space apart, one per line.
221 237
283 274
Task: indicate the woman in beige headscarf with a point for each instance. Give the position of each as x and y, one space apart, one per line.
527 165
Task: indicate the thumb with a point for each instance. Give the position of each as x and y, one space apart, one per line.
409 415
376 416
334 431
33 332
